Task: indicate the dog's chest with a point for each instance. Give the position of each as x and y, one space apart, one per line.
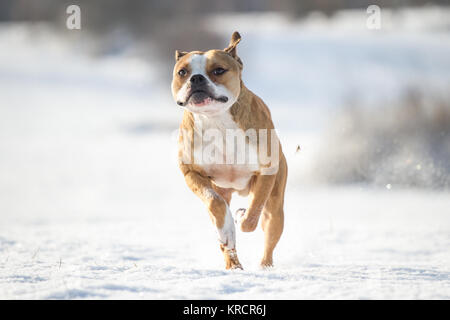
229 161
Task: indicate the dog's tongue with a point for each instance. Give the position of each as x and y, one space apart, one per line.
200 99
203 102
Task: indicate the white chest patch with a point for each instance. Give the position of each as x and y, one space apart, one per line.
225 153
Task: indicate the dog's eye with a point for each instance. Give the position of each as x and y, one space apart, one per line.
182 72
218 71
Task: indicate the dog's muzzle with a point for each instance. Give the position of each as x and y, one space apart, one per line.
199 92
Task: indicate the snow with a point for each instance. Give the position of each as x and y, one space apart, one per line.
93 206
356 244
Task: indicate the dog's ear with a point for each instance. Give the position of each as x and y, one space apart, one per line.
179 54
231 49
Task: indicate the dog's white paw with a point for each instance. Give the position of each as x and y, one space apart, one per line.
239 215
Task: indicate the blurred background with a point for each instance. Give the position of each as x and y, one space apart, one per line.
88 125
379 98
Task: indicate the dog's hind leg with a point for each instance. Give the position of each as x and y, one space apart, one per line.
273 215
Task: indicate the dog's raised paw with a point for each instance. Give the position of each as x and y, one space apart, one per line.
239 215
245 222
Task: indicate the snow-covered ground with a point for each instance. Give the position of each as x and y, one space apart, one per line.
93 206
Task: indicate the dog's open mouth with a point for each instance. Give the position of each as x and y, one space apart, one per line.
202 98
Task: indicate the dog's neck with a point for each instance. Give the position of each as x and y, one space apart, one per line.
242 99
241 109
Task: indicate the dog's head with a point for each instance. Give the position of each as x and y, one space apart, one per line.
207 82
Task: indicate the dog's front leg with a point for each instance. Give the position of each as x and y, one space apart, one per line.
220 215
259 193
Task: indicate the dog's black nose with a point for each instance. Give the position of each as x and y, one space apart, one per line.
198 79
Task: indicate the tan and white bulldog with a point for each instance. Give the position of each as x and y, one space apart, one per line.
218 110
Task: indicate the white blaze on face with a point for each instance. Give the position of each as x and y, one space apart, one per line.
197 63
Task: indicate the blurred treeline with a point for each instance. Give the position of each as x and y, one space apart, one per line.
399 143
172 23
141 13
